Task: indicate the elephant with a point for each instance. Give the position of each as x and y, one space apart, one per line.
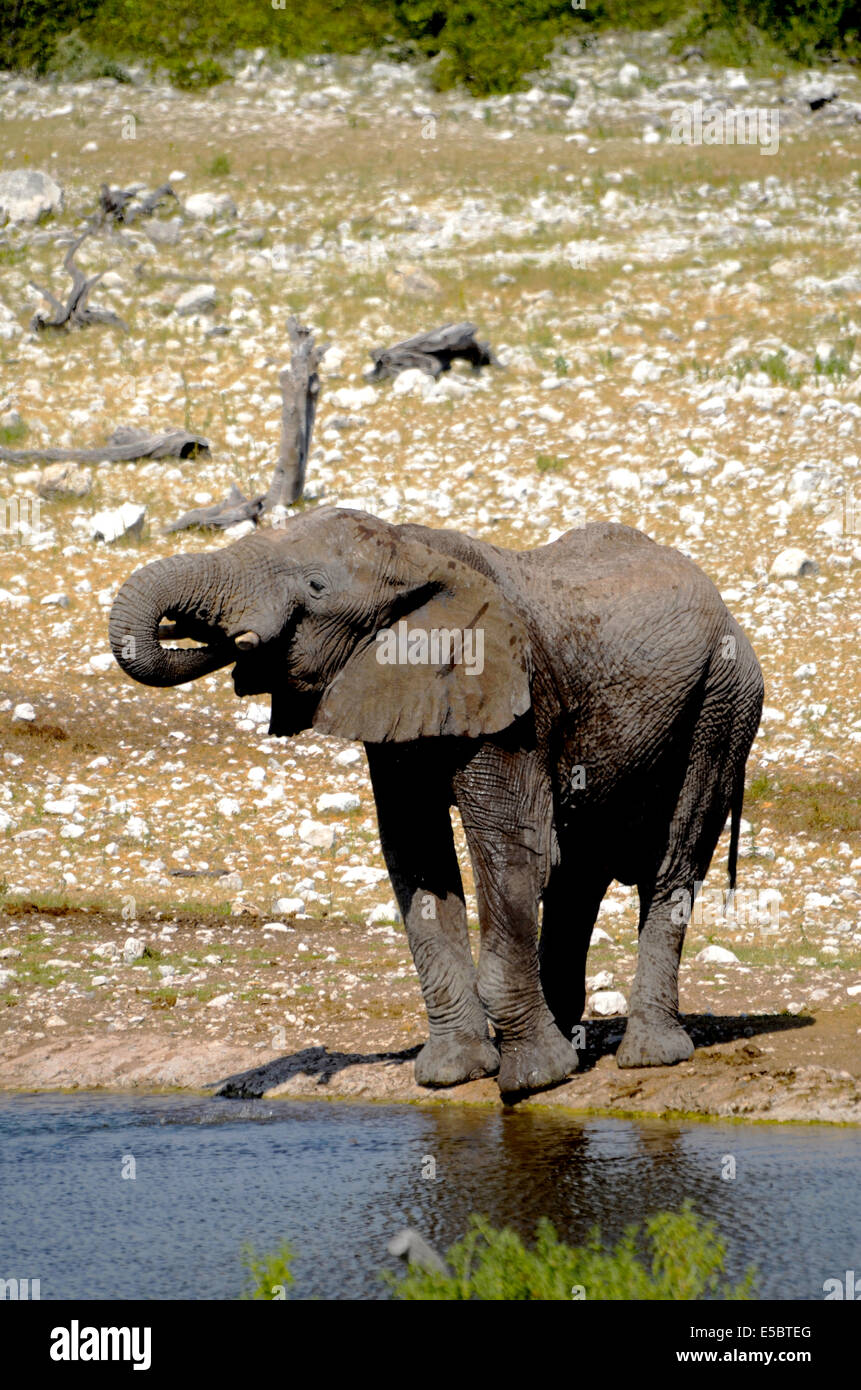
588 706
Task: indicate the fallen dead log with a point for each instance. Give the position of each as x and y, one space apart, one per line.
125 444
230 512
76 312
433 352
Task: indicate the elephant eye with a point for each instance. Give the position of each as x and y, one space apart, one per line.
318 584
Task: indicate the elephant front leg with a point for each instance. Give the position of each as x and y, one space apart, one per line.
508 843
418 845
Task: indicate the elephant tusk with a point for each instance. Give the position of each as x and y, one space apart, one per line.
247 641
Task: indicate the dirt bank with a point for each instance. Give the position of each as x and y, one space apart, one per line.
326 1009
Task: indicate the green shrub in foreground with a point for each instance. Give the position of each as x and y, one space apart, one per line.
267 1276
685 1261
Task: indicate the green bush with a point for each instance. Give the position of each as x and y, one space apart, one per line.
489 46
685 1261
267 1276
747 31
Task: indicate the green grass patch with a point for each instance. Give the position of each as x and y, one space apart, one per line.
816 807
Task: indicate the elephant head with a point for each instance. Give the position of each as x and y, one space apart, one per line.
356 627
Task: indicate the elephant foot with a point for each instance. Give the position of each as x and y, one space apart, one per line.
533 1064
653 1042
447 1061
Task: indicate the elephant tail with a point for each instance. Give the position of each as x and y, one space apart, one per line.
735 828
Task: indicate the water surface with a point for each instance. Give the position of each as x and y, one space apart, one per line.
338 1180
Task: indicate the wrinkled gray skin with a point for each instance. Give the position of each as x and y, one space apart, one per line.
603 652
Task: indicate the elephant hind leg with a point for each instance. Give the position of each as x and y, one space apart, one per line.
571 901
654 1035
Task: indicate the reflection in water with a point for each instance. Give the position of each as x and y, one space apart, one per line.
338 1180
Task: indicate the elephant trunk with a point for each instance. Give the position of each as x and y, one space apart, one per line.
184 589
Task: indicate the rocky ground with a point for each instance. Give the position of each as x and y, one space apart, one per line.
678 327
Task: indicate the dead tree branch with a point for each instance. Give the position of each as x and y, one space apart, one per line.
76 312
114 202
433 352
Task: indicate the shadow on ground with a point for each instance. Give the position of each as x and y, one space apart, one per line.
312 1061
602 1039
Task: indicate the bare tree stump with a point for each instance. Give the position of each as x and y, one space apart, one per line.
300 386
433 352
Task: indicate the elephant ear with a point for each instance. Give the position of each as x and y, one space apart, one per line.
453 658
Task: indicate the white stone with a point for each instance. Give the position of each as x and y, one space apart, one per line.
65 480
228 806
198 300
383 912
289 907
206 205
793 563
133 949
64 806
362 873
348 757
605 979
353 397
717 955
715 405
25 712
332 360
606 1003
413 382
814 901
136 828
645 371
126 520
338 801
317 835
101 662
629 73
623 480
26 195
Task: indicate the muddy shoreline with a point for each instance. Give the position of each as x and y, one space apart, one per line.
325 1009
